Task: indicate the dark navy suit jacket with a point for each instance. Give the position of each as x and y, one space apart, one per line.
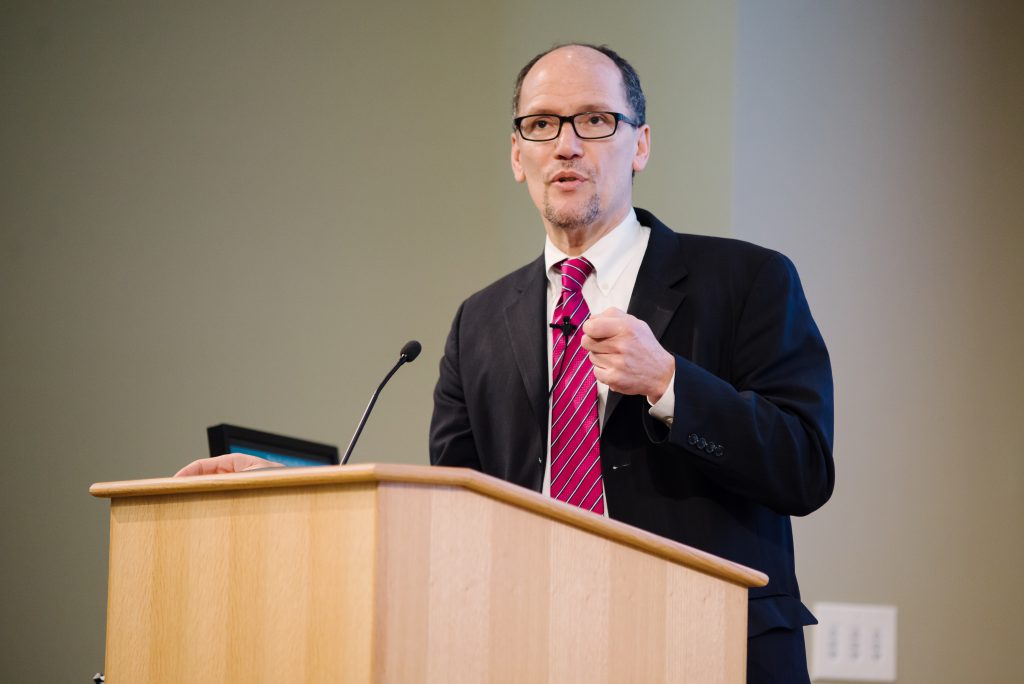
751 440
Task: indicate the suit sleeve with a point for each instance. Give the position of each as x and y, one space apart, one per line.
451 436
765 431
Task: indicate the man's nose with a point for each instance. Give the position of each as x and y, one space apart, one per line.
568 145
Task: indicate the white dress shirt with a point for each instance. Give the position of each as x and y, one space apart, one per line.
616 258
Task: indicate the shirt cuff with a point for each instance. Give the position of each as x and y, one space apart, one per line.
664 409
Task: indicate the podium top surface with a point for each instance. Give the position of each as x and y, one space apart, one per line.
439 477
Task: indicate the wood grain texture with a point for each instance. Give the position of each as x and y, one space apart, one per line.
451 477
477 590
403 607
242 587
404 574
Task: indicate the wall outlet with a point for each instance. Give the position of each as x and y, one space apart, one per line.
854 642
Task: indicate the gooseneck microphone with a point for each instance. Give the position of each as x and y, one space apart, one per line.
408 354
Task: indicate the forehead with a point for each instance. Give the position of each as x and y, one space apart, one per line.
570 80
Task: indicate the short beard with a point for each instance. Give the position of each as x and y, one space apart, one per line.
573 220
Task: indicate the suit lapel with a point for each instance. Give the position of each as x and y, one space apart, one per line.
654 299
525 324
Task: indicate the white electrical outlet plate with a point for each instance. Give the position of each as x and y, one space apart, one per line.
854 642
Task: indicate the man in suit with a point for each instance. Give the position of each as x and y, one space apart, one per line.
687 371
674 382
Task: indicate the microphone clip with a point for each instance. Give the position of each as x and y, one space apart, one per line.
566 326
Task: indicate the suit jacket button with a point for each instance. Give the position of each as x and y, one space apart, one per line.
692 439
719 450
702 444
710 448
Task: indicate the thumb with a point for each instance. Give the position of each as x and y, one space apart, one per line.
610 312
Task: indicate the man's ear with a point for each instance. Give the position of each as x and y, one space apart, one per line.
517 168
643 149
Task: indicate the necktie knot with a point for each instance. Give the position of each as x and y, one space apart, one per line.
575 272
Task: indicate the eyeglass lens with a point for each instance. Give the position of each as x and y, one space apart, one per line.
587 125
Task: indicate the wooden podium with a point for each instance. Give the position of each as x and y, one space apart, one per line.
390 573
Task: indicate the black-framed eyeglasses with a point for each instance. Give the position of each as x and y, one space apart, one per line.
588 125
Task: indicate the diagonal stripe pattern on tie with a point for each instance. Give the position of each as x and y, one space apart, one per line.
575 432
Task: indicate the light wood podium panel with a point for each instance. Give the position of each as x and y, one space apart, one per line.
391 573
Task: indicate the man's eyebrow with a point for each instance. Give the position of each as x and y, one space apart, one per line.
579 110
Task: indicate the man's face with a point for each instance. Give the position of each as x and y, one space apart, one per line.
583 188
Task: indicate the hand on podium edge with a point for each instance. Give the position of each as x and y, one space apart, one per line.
228 463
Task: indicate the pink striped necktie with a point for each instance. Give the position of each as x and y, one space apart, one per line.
575 433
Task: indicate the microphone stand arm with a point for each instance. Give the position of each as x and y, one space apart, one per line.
369 407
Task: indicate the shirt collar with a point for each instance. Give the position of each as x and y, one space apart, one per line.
609 255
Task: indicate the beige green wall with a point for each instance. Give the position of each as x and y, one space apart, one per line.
239 213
